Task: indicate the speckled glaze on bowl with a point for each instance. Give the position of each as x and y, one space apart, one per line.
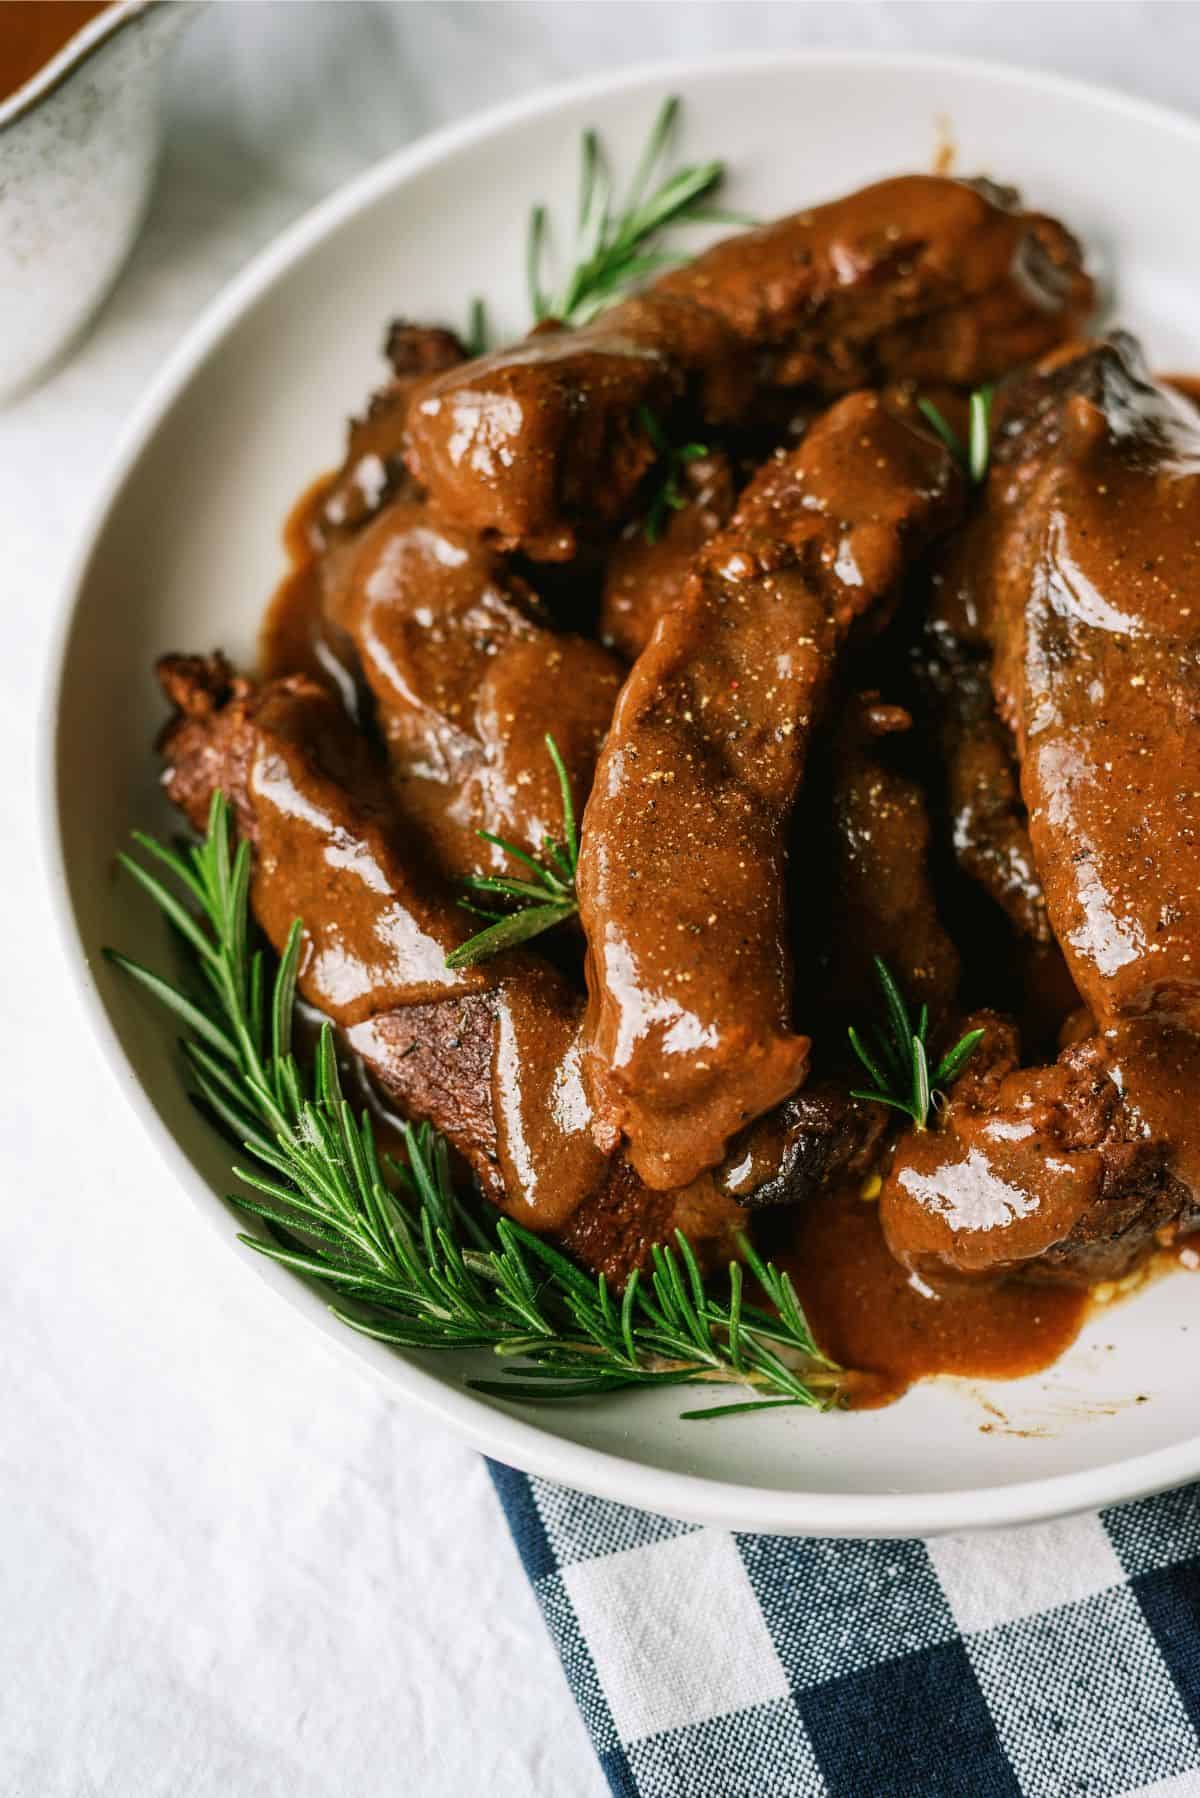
78 148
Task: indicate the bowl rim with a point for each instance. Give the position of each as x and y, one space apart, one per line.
509 1437
79 48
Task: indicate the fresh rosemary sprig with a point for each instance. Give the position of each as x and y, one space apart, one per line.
420 1267
972 457
673 459
613 252
898 1062
479 331
542 902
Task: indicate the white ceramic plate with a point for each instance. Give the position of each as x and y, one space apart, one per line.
184 549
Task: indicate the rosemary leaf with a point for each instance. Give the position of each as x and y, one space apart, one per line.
937 420
973 457
979 434
753 1404
955 1060
614 249
184 1008
519 927
545 901
479 335
668 495
920 1083
412 1262
901 1069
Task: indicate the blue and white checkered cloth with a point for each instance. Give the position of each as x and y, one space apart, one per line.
1042 1662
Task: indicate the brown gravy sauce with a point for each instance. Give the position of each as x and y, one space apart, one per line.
34 31
867 1314
290 632
294 637
866 1311
1187 385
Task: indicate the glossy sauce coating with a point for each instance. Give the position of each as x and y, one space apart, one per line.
1093 607
373 470
689 1020
489 1055
920 278
1083 575
1071 1172
531 443
883 899
644 579
295 635
870 1314
469 677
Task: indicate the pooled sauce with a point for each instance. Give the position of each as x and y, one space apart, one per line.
296 636
289 636
34 31
868 1314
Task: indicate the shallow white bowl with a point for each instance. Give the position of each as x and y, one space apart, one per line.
184 549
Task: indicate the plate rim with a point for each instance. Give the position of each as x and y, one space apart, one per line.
696 1498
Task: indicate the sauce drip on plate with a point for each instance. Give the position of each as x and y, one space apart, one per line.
870 1315
34 31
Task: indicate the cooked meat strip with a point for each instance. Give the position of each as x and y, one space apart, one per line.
644 579
1068 1173
785 1157
490 1055
434 1063
1090 545
299 634
621 1222
465 669
987 815
681 878
373 469
533 442
920 277
883 901
1082 578
498 1075
1086 581
434 617
308 796
469 676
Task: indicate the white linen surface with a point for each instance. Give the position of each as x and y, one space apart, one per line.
228 1565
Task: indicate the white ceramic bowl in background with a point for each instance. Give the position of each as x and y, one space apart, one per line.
185 547
78 148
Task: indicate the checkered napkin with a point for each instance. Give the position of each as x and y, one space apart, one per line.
1057 1659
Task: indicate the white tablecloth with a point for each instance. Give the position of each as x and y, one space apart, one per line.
229 1567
